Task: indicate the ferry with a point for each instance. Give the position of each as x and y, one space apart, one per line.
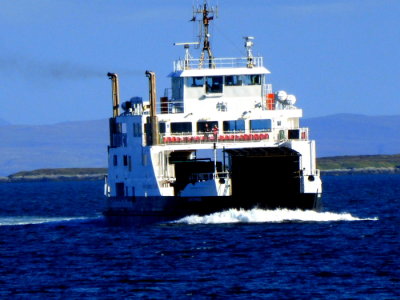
218 138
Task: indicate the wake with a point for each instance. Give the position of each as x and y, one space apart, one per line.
13 221
269 216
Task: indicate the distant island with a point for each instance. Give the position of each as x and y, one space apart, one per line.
337 165
356 164
57 174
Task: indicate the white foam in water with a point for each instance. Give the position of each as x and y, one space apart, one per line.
275 216
7 221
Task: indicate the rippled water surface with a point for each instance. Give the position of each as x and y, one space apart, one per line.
54 243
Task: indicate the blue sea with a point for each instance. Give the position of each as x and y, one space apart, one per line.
54 243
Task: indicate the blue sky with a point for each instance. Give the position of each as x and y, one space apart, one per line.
336 56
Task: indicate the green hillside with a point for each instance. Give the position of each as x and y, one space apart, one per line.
359 162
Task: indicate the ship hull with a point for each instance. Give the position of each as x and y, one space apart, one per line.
183 206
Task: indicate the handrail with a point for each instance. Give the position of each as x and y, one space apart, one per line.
224 62
210 138
272 135
208 176
171 106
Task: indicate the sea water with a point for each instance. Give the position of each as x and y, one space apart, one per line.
54 243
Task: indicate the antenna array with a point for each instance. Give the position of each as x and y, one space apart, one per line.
207 14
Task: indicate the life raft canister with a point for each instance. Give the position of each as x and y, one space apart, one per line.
270 101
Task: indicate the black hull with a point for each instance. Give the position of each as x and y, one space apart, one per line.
184 206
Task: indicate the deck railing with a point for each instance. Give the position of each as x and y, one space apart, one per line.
208 176
203 138
241 62
199 139
171 106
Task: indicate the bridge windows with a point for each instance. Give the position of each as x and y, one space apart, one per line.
252 80
238 80
214 84
233 80
195 81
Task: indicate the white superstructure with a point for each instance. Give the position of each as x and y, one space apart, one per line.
220 137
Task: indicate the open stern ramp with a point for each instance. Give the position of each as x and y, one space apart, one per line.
271 175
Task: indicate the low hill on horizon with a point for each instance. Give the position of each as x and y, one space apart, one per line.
63 145
352 134
84 144
351 162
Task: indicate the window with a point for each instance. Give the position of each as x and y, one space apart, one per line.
137 130
177 82
129 163
233 126
177 90
214 84
123 127
293 134
233 80
115 160
252 79
125 160
144 159
195 81
181 128
119 189
161 127
203 127
133 191
260 125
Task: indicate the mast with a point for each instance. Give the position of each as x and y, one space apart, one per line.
207 16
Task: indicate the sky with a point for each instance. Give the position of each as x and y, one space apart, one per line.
336 56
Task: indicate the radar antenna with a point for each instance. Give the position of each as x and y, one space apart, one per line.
207 15
188 57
